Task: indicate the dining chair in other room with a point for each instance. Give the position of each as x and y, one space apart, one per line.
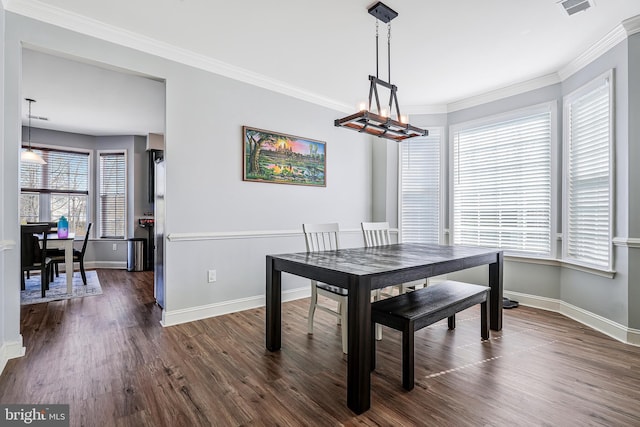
324 237
32 256
78 256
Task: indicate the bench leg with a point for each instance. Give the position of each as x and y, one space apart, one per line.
407 358
484 317
451 321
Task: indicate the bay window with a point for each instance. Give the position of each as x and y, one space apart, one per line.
421 188
588 135
112 200
58 188
502 182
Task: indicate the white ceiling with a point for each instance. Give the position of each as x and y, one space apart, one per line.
442 51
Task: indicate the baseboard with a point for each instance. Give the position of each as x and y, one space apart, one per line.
92 265
601 324
175 317
114 265
10 350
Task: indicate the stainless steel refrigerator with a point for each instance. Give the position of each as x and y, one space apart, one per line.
158 213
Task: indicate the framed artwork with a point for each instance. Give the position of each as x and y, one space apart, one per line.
283 159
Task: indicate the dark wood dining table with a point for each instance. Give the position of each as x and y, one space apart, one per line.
360 270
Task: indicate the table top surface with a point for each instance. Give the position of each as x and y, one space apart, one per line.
379 259
54 236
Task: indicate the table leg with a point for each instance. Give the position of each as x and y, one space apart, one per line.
495 296
68 264
273 306
359 357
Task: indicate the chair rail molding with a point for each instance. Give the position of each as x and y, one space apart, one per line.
254 234
6 245
629 242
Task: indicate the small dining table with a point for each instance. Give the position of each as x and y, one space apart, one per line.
360 270
55 242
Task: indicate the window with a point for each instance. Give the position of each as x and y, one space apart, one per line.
420 188
588 130
501 182
58 188
112 195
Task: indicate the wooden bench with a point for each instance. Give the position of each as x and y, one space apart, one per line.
415 310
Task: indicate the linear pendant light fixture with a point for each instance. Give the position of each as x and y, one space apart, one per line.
379 122
30 156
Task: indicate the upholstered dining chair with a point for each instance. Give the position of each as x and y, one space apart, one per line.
32 256
324 237
57 256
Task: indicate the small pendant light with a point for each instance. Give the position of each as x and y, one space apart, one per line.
28 155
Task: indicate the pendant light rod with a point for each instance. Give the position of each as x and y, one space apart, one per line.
29 100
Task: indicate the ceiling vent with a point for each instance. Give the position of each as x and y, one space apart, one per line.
575 6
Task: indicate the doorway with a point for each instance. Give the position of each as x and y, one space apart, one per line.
96 108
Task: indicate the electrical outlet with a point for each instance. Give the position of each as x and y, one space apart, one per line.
115 246
212 276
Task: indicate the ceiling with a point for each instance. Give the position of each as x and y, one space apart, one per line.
442 51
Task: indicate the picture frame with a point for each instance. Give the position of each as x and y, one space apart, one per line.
279 158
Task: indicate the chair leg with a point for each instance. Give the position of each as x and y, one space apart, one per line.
84 275
344 327
44 280
312 307
22 285
57 270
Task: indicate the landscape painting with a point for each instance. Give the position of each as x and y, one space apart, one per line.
283 159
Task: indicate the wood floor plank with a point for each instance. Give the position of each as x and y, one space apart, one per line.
109 358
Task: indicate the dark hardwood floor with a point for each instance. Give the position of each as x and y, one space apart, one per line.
109 358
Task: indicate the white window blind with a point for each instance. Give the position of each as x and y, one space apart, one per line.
58 188
113 209
588 130
502 182
420 160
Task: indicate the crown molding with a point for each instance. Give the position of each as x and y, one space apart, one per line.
603 45
75 22
91 27
504 92
632 25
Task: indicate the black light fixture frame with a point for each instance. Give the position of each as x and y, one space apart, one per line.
376 124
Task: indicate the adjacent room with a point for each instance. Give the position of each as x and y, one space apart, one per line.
336 213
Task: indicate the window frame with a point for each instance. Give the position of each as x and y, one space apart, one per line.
579 92
552 108
98 192
46 196
442 146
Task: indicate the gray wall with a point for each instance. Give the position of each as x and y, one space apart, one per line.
8 332
100 252
214 220
613 299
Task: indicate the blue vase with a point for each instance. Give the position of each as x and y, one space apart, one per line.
63 228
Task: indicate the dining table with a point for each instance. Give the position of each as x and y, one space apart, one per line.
361 270
56 242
